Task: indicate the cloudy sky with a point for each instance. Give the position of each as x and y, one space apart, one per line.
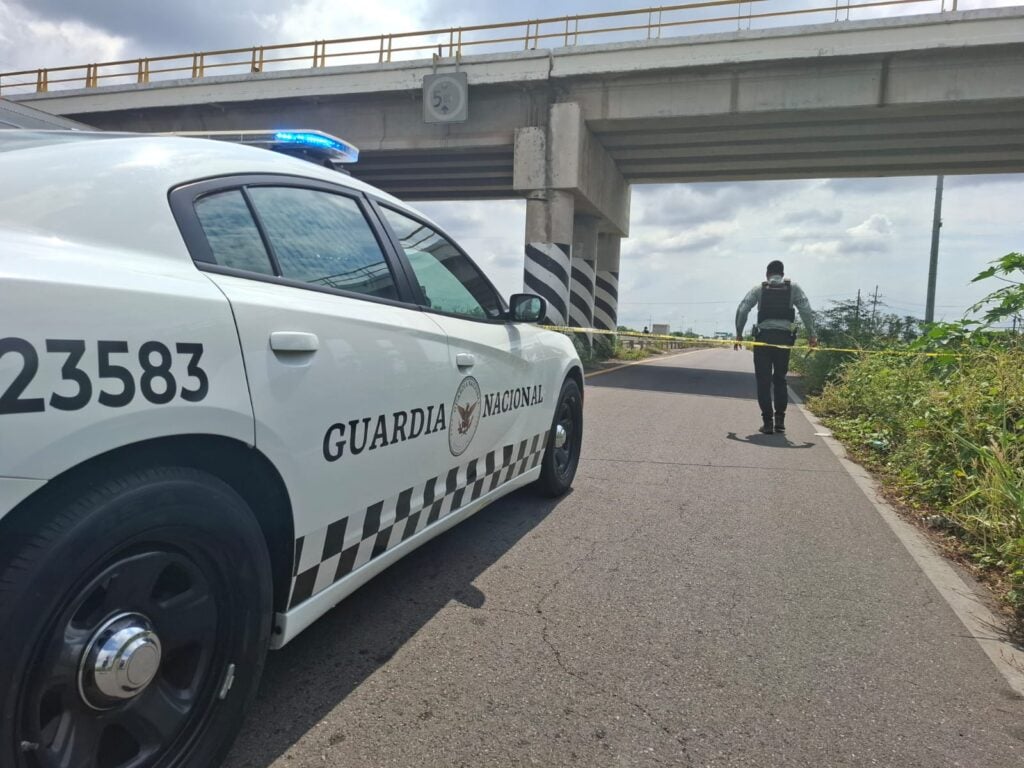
694 249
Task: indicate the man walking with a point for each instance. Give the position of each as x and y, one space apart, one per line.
775 299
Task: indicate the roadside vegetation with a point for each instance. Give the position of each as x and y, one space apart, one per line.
945 431
603 349
627 345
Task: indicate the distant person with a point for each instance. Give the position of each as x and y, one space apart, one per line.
645 329
775 299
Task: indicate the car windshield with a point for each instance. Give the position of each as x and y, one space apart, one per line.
17 139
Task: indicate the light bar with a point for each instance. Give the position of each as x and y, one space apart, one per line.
336 150
309 138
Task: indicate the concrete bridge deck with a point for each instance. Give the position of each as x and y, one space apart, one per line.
706 596
932 93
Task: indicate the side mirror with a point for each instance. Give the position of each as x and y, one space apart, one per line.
526 308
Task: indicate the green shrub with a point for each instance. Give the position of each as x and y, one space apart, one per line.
949 434
604 346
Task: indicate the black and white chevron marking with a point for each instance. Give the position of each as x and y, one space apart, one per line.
581 296
606 300
331 553
546 273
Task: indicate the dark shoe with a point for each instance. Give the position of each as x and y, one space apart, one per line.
768 427
780 422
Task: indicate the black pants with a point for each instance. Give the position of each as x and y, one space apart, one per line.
770 367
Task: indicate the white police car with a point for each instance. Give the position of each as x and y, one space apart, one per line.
234 386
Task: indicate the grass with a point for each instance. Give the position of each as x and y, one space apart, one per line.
947 437
611 348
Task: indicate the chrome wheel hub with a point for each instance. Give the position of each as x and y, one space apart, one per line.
561 436
119 662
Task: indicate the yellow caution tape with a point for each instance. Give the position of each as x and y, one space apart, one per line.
747 344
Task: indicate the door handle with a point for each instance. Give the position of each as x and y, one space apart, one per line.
294 341
465 360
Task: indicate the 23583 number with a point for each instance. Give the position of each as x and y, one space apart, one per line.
156 383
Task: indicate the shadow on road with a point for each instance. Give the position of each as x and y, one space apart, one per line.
769 441
310 676
680 380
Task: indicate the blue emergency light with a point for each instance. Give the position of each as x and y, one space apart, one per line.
348 153
324 146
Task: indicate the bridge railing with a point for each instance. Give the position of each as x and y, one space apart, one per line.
454 42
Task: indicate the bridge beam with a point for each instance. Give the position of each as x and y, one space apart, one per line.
565 155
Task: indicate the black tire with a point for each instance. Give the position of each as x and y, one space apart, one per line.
558 468
170 550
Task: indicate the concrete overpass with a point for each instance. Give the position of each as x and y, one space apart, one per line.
571 128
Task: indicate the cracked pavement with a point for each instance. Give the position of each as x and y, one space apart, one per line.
705 596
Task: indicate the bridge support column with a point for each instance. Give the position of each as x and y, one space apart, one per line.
606 282
581 280
573 189
546 271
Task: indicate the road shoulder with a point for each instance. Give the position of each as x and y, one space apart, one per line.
966 599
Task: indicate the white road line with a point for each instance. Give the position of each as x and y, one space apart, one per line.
979 620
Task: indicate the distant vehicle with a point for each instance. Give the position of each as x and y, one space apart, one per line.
233 388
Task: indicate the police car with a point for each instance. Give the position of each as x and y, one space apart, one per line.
234 386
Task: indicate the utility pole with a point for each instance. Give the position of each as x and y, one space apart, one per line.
933 263
874 308
856 317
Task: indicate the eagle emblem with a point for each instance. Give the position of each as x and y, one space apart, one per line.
466 416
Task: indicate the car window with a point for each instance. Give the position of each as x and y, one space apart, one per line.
231 232
449 280
324 239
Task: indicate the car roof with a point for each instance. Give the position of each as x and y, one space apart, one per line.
181 157
26 138
79 185
14 115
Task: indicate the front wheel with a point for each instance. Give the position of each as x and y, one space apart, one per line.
562 455
134 622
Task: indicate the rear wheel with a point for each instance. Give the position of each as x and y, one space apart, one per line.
562 455
134 621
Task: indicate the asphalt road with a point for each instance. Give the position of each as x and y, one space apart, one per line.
705 596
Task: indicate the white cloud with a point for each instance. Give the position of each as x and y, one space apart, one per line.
876 225
329 19
822 249
653 241
693 273
812 216
28 41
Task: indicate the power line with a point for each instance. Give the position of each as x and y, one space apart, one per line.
909 303
895 303
723 301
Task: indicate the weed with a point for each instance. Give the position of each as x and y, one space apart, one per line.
947 435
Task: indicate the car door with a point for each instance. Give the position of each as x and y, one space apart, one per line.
350 382
507 367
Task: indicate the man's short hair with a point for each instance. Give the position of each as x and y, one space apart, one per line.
775 268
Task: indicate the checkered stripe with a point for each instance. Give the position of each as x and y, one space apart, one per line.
331 553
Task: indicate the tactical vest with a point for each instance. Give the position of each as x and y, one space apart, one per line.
776 302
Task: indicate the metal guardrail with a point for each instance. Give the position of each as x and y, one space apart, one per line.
453 42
